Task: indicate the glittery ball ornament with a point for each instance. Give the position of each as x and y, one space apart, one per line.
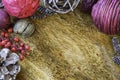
4 19
21 8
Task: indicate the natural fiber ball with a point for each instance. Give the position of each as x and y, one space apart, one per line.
4 19
106 16
21 8
24 27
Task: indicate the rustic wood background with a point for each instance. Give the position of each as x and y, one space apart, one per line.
69 47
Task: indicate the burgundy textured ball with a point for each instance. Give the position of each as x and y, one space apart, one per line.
88 4
4 19
106 16
21 8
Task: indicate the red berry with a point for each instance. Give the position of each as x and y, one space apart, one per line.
2 33
22 57
6 35
13 45
0 44
6 40
9 44
3 42
6 46
16 39
10 30
13 49
22 44
0 39
23 52
11 39
27 47
20 48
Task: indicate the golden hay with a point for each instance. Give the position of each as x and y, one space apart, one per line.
69 47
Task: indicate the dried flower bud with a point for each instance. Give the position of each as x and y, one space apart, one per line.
24 27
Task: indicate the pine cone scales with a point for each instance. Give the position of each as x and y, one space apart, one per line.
9 66
116 45
116 59
42 12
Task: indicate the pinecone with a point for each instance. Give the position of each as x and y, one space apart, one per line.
41 13
116 45
117 49
9 67
115 41
116 59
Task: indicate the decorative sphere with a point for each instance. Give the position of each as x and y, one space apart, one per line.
106 16
24 27
87 5
21 8
4 19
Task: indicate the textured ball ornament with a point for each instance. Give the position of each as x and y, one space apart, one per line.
106 16
24 27
87 5
61 6
21 8
4 19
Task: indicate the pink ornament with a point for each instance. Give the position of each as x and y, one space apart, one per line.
21 8
106 16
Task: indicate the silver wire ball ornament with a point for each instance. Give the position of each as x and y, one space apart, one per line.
60 6
49 7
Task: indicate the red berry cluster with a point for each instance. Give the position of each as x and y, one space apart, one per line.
13 43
